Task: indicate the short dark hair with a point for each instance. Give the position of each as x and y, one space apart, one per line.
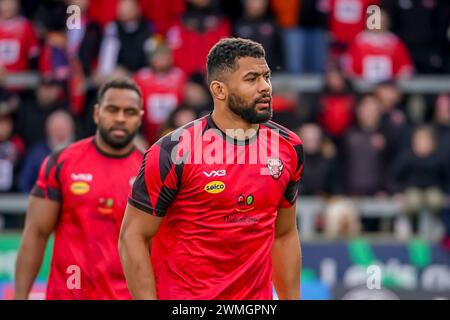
119 83
222 57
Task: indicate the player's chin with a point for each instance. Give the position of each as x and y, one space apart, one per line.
119 142
264 114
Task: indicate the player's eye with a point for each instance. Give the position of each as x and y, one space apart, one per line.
111 109
131 112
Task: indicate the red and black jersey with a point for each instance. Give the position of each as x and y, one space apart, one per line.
92 188
219 205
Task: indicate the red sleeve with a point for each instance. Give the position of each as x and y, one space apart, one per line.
403 65
291 192
32 41
158 180
48 185
352 60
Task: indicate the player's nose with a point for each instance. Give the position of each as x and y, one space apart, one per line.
264 85
120 116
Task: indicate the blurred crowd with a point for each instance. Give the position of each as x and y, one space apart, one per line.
377 144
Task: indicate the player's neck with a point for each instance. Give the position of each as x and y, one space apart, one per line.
107 150
227 120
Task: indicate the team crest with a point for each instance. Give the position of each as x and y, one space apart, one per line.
275 167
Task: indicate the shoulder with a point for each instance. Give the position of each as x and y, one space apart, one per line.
285 134
70 152
185 134
289 139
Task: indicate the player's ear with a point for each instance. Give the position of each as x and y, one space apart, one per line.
218 89
96 113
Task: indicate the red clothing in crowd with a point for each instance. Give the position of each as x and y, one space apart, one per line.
18 43
162 93
348 18
378 56
190 47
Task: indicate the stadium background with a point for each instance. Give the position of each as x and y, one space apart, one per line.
373 110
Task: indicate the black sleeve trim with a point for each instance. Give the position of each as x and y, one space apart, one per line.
291 192
51 194
139 205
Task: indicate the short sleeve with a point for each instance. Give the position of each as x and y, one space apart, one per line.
48 184
158 181
291 192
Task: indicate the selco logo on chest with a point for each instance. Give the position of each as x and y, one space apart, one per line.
215 187
79 188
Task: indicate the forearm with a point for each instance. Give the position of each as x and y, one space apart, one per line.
136 263
286 261
29 260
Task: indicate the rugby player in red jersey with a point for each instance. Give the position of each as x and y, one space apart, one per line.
217 223
80 195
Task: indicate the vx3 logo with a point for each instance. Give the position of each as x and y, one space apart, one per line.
215 173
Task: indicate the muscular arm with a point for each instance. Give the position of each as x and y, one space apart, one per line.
286 255
136 233
42 215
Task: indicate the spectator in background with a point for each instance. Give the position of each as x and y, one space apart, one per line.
394 123
201 26
285 105
162 86
60 132
363 150
162 13
84 44
422 174
197 96
178 118
320 159
378 55
421 25
442 124
19 48
347 19
256 24
54 61
336 103
126 41
342 220
35 109
11 147
102 11
304 24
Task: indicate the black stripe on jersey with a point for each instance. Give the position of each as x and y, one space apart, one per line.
179 171
52 161
300 155
290 194
275 126
54 194
37 192
166 195
137 204
165 162
139 191
58 172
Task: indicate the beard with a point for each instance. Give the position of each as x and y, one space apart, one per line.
248 111
116 143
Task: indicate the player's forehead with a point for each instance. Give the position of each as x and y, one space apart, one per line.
248 65
121 97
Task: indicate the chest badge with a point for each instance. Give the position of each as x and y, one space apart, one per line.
275 167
